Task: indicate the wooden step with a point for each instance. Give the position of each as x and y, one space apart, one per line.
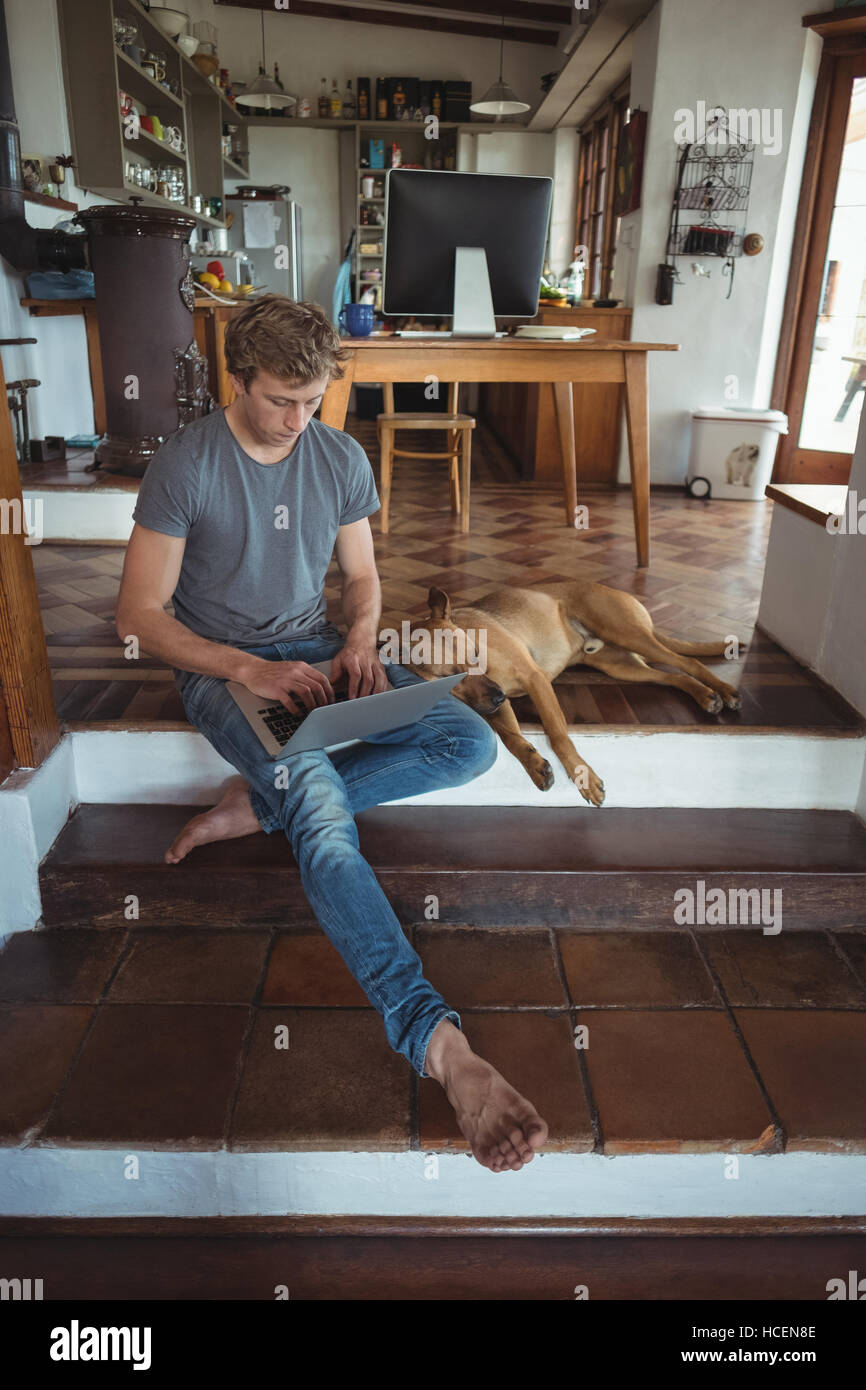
508 866
397 1258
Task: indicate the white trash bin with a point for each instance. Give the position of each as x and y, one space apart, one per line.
732 452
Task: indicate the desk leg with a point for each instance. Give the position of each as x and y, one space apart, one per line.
638 448
94 362
336 399
225 390
564 399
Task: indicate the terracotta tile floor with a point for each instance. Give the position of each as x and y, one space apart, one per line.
256 1040
704 581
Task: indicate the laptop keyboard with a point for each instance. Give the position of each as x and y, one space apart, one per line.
282 723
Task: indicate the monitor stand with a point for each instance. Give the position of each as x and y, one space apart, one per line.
473 301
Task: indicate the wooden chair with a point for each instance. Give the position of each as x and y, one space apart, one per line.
459 429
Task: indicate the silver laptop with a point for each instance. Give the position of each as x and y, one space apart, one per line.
283 733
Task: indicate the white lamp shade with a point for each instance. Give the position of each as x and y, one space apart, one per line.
265 92
499 100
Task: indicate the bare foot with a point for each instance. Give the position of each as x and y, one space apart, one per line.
502 1129
232 817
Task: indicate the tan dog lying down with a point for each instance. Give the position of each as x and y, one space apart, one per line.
532 635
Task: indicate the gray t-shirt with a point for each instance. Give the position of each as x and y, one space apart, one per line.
260 536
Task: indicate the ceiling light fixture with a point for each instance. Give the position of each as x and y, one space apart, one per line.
500 99
263 91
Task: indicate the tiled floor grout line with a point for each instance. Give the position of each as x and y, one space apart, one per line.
123 955
780 1132
246 1040
594 1117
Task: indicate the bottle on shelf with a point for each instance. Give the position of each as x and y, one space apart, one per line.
349 107
363 98
336 102
398 102
324 100
381 100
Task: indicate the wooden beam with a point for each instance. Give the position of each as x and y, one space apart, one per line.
485 29
559 14
25 676
849 20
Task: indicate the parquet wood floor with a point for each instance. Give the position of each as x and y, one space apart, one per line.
704 581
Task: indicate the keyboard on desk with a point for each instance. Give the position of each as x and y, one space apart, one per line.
282 723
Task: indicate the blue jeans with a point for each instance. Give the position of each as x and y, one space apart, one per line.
449 746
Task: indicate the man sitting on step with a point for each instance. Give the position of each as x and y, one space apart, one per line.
237 518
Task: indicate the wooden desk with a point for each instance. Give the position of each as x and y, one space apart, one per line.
523 415
388 359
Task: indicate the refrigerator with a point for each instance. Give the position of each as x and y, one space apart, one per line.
265 243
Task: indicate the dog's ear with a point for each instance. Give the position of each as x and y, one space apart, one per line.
440 603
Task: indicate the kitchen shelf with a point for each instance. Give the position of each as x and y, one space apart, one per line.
157 201
95 69
235 169
144 16
153 141
314 123
46 200
149 91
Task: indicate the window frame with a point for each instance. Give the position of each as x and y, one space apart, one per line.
596 227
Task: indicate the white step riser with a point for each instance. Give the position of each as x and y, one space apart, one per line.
94 1182
711 771
89 515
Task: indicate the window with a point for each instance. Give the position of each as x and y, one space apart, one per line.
596 227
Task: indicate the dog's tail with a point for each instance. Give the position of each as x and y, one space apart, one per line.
684 648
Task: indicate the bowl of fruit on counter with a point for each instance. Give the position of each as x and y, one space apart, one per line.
216 283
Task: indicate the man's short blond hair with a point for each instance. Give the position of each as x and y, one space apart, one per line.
290 339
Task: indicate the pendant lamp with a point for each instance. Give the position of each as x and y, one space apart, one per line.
500 99
263 91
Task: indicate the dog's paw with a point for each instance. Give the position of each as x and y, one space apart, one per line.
713 703
732 701
541 773
588 784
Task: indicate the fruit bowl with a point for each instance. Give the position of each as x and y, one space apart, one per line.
171 22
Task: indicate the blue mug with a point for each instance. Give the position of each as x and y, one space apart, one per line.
357 320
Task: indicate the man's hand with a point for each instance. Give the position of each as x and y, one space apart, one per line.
359 661
280 681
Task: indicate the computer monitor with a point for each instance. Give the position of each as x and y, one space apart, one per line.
468 245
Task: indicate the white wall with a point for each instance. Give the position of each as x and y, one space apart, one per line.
309 162
812 597
739 55
562 232
842 658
